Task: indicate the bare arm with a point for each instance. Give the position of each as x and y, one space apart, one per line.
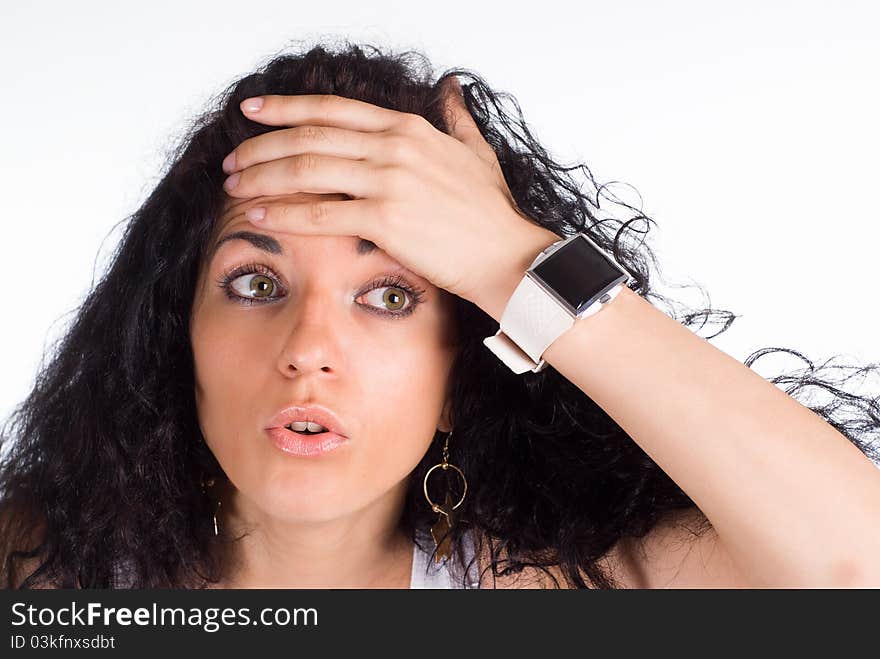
793 502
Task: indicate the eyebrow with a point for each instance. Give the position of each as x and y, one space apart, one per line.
272 246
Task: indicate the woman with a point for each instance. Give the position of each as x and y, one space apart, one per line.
158 448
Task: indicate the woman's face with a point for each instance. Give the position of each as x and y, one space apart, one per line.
315 334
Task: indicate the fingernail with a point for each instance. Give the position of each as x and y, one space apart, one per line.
252 104
232 181
255 214
229 163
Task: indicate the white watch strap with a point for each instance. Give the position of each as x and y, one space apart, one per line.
531 321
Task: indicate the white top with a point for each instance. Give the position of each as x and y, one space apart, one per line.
426 573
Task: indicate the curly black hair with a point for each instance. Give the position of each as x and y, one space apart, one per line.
105 455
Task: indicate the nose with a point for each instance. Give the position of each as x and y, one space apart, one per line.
312 340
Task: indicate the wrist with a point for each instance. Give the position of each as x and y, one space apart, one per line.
511 271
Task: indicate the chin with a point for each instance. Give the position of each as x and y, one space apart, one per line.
306 499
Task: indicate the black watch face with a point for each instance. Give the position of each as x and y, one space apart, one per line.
579 273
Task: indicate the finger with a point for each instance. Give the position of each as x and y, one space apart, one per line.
322 110
322 140
344 217
307 172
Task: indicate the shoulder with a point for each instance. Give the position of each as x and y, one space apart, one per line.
681 551
551 576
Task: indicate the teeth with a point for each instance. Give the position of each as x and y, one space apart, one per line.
306 425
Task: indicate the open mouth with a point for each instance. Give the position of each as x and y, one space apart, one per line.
300 440
306 428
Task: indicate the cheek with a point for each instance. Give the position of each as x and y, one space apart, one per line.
403 401
227 364
400 407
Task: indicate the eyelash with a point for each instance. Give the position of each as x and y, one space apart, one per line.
415 293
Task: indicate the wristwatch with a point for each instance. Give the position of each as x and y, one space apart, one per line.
573 278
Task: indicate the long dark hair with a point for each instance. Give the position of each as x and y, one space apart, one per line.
105 455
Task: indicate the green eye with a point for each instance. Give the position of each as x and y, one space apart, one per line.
393 301
394 298
258 286
387 299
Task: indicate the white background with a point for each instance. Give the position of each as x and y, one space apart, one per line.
749 129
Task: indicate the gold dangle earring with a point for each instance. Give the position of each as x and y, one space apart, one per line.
206 485
447 517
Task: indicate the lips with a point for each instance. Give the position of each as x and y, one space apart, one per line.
314 413
305 445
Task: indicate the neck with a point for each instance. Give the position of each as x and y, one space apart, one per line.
364 549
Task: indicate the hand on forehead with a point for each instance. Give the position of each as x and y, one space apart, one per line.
234 209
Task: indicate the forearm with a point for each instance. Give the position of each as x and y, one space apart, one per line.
792 500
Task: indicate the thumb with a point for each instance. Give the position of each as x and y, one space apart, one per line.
463 127
458 119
